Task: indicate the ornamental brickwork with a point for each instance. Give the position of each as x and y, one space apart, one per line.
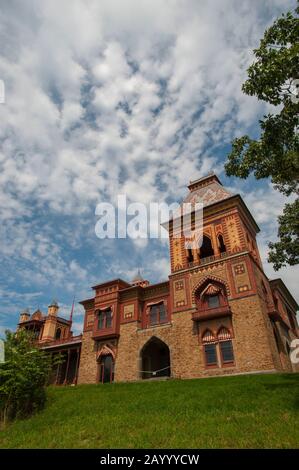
217 314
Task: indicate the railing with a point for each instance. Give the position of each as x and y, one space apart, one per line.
61 341
208 313
208 259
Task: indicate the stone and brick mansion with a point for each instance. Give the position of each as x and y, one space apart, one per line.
217 313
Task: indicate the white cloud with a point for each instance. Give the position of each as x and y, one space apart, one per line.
111 97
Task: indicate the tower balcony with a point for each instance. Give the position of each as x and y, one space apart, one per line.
208 259
210 313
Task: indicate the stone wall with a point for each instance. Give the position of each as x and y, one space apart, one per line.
88 368
251 343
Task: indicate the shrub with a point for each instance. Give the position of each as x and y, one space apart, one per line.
23 376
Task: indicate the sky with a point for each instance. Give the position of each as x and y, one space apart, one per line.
134 97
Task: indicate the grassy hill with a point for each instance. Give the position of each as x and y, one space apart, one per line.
244 411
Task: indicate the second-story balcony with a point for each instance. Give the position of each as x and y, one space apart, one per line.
105 325
210 313
100 333
71 340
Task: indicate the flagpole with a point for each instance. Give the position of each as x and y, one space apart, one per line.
71 315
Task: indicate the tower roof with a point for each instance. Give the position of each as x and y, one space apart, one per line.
26 311
207 190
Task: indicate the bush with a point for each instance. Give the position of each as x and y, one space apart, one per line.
23 376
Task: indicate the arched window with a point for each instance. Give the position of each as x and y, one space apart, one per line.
221 245
213 301
208 340
58 333
208 337
190 255
206 248
223 334
225 345
106 364
211 294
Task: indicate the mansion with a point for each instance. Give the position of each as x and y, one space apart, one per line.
217 313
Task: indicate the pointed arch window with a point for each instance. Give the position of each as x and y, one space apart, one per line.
208 337
58 333
190 257
221 245
219 346
210 351
211 295
206 248
225 346
223 334
213 301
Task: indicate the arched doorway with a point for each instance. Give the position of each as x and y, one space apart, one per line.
155 359
106 368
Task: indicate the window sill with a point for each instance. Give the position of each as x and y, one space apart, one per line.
228 364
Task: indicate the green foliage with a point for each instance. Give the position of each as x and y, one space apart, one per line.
23 376
273 77
287 250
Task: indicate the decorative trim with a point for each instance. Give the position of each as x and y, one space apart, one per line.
210 278
105 351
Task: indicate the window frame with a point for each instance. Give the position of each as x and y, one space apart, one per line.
221 244
214 296
58 336
229 362
102 315
214 364
214 340
158 306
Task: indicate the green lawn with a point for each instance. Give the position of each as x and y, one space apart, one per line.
244 411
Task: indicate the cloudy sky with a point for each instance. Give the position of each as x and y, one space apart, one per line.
134 97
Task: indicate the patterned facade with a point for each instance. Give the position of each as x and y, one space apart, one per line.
217 314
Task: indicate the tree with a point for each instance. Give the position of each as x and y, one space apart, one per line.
23 376
274 78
